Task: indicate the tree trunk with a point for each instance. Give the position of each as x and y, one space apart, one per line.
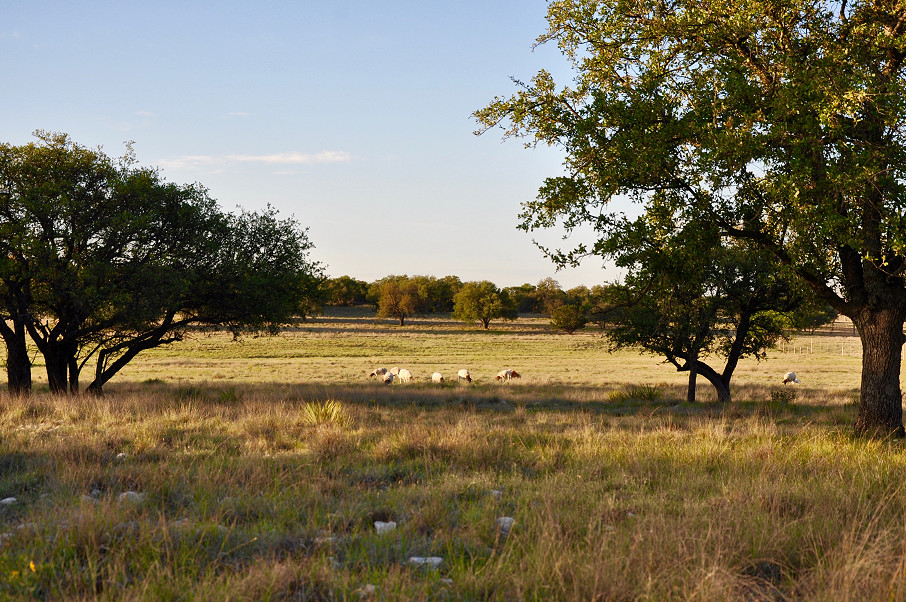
722 388
486 323
402 318
693 377
73 367
57 364
18 366
881 401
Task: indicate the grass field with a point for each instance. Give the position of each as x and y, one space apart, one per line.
260 467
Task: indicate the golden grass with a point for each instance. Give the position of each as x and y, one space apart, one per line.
268 488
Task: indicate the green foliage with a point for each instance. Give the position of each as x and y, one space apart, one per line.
346 291
569 318
548 296
483 301
104 259
778 123
398 297
523 297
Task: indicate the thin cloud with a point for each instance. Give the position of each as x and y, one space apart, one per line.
237 114
190 162
293 158
144 114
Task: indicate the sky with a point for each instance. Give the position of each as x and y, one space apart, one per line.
355 117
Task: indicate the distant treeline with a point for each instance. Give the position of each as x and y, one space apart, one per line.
478 301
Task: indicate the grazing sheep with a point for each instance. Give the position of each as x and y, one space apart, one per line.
464 375
507 375
378 372
790 378
437 377
388 378
405 376
395 371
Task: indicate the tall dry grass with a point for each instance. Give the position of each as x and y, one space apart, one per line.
271 492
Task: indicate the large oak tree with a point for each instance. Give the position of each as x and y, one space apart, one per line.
781 122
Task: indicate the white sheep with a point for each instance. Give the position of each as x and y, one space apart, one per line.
388 378
395 371
437 377
790 377
405 376
378 372
464 375
507 375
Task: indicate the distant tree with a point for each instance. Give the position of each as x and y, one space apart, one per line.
399 297
483 301
548 296
813 315
523 297
346 291
437 293
569 317
104 260
604 307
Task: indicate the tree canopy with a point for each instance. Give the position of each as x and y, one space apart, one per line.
779 122
483 301
104 259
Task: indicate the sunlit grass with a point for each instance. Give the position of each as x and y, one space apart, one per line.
269 489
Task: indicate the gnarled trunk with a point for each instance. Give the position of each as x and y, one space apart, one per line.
881 400
720 385
18 365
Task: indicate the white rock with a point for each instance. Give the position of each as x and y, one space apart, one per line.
446 581
496 493
95 493
368 590
382 527
8 501
121 456
131 497
506 523
432 562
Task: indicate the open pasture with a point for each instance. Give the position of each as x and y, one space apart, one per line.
259 469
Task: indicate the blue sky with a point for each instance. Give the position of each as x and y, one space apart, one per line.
354 116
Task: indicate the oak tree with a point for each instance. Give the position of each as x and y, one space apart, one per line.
780 122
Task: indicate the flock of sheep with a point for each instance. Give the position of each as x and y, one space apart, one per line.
405 376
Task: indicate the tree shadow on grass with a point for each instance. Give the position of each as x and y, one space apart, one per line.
753 401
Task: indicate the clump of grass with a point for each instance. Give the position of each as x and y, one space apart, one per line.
783 396
647 393
326 412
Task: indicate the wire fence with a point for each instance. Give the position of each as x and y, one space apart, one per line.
837 338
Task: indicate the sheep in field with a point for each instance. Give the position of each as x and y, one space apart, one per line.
437 377
378 372
405 376
394 371
790 378
388 378
464 375
507 375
